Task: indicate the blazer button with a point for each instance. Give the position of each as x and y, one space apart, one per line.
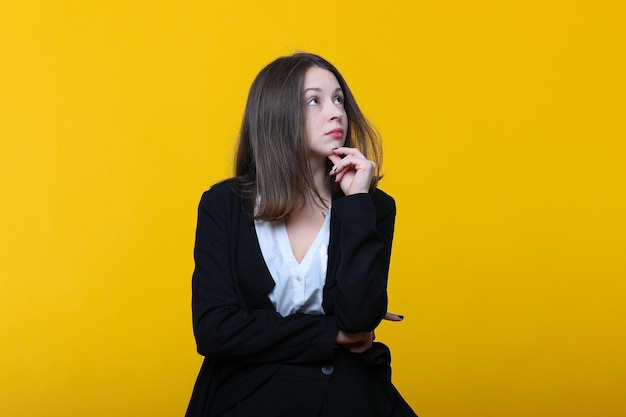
328 369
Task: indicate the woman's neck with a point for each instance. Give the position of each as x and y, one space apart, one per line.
320 177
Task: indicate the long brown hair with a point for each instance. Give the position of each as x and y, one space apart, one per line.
272 163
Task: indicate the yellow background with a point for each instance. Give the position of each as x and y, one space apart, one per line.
504 130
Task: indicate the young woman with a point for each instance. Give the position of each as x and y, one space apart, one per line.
292 257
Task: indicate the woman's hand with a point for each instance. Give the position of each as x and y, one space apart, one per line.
393 317
360 342
355 342
353 172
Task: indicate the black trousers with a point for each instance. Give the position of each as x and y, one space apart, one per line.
349 386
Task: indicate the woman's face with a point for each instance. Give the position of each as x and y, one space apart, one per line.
326 120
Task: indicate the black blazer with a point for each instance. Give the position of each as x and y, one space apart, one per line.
243 338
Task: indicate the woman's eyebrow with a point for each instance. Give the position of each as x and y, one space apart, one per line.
317 89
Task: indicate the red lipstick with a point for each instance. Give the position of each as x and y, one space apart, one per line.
336 133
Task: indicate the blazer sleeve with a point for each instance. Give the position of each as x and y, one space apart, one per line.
223 325
361 238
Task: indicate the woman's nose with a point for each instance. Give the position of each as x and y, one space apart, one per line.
336 112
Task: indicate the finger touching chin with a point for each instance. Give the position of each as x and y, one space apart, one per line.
334 158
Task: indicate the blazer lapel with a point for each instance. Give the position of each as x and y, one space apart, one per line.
254 277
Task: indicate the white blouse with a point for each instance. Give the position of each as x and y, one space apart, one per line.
299 286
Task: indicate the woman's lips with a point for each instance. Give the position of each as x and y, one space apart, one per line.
336 133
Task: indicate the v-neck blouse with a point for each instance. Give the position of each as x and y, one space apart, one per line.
299 285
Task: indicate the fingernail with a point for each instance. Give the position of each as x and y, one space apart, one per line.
401 317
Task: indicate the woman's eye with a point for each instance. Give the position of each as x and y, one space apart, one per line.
312 101
338 100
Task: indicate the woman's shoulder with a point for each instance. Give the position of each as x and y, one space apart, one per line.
224 190
230 194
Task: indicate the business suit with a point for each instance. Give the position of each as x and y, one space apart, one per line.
244 340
